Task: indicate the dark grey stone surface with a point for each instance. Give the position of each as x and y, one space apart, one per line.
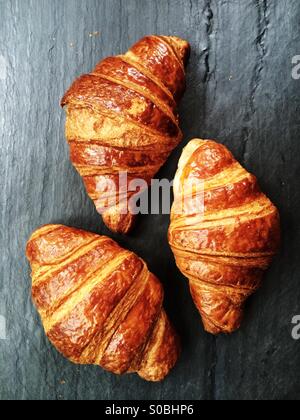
240 91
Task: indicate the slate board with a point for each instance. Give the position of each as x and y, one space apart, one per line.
240 91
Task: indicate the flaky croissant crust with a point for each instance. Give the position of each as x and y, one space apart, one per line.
99 303
224 247
123 117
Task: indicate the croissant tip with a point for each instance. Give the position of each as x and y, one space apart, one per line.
119 223
196 143
182 48
63 102
41 230
217 331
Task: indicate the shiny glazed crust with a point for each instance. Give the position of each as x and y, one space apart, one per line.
225 246
99 303
123 117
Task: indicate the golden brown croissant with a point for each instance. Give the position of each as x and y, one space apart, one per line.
100 304
123 117
225 241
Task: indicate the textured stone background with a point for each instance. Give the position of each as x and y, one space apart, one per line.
240 91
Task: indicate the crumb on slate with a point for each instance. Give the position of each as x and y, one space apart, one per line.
95 33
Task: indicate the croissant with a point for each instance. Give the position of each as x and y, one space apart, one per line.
123 118
224 232
99 303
